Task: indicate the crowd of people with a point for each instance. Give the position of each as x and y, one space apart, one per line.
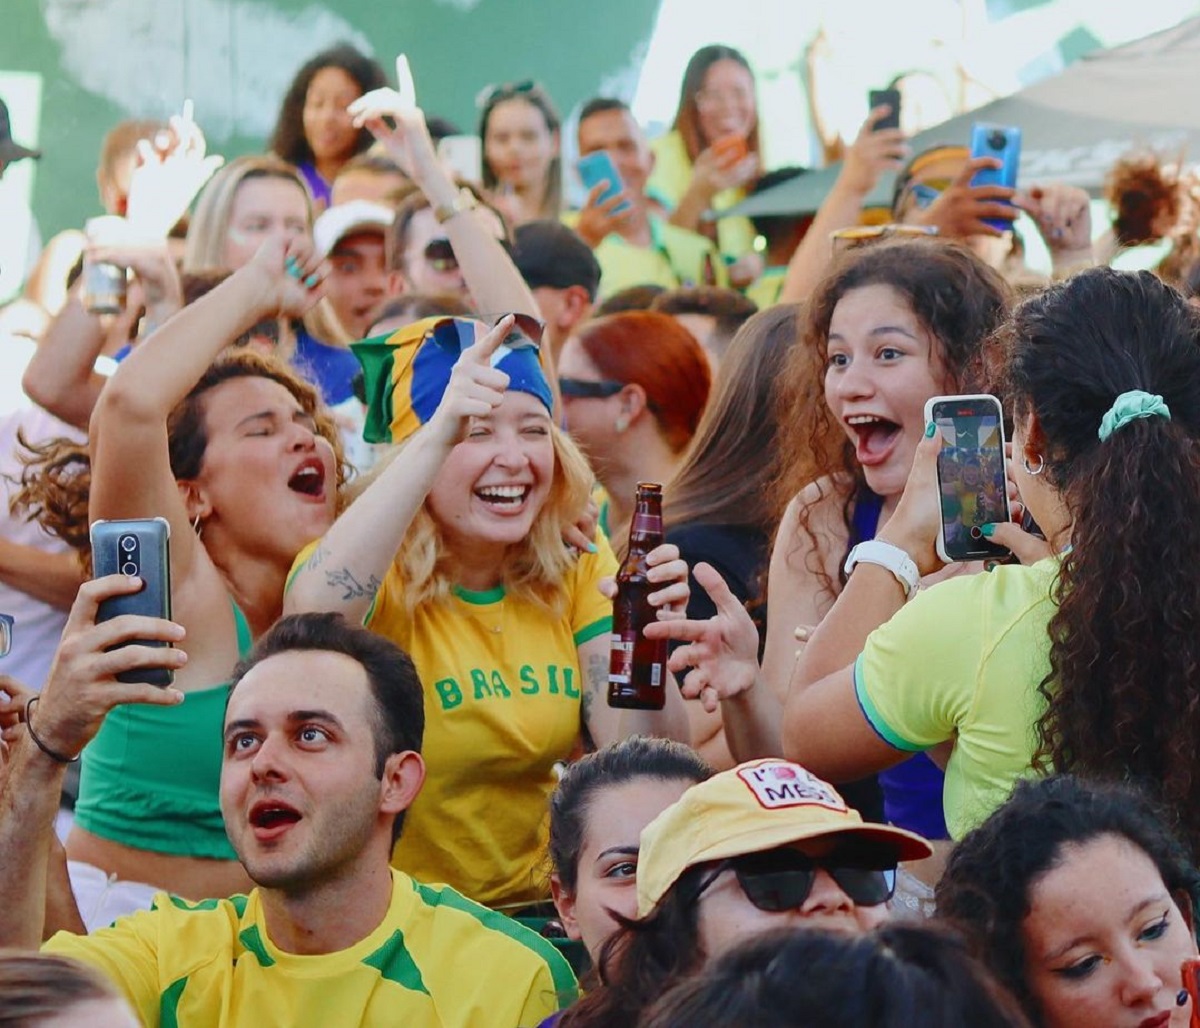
392 415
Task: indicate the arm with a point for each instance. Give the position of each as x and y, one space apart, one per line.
52 578
80 690
348 566
488 270
60 377
1063 215
131 472
711 174
870 155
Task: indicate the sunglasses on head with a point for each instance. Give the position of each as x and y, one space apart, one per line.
581 389
455 334
846 238
495 93
779 880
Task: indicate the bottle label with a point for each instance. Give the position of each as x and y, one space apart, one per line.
620 668
656 670
647 524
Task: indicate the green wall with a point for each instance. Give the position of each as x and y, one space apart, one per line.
103 60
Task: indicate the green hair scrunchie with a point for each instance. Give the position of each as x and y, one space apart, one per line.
1129 407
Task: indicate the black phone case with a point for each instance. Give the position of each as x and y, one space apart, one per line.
891 97
151 561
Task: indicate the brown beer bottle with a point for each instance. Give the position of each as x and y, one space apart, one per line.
637 670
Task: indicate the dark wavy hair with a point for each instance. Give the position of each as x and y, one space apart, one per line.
687 114
899 975
985 889
288 139
954 295
1125 635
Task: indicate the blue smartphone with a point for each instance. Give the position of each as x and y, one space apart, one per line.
140 547
1004 143
598 167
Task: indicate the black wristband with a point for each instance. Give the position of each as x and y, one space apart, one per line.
57 757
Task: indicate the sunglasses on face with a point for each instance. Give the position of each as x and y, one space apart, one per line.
580 389
779 880
267 331
439 255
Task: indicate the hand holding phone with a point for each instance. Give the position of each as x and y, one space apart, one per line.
972 484
1002 143
136 549
598 167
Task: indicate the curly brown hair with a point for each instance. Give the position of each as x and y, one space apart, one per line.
1145 195
1125 637
954 295
56 481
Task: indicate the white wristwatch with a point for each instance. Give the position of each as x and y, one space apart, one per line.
899 563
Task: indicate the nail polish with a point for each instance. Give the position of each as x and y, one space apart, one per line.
929 430
987 531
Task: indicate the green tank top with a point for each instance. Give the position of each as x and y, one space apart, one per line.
151 777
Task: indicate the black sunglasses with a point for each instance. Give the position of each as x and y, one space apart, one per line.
439 254
581 389
779 880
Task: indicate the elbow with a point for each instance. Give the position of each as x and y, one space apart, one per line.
122 404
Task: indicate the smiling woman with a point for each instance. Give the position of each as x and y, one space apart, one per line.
455 552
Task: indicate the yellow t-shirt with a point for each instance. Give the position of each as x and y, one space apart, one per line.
963 661
437 959
674 258
503 704
669 181
765 289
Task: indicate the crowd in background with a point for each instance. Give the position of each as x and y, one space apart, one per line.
390 400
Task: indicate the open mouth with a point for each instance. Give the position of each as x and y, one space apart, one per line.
271 818
309 479
503 497
874 437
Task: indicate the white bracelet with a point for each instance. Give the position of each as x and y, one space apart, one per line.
899 563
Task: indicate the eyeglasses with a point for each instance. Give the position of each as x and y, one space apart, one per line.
779 880
846 238
581 389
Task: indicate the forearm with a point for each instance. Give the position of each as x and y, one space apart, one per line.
164 368
753 722
692 205
62 912
28 804
812 257
871 597
348 565
59 377
487 269
53 578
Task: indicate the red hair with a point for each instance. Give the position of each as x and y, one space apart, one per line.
656 352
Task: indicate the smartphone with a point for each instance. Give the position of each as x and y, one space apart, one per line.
462 156
136 547
598 167
971 479
1004 143
890 97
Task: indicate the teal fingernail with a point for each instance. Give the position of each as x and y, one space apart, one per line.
988 530
290 264
312 280
929 430
592 548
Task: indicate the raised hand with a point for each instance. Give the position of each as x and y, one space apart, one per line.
475 389
393 117
665 567
82 685
598 219
719 169
721 651
873 153
155 270
168 175
959 212
915 525
1063 215
291 276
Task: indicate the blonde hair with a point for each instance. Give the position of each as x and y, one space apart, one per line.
210 224
535 568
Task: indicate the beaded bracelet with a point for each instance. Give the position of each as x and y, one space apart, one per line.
57 757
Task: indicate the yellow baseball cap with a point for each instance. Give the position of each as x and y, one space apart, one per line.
756 806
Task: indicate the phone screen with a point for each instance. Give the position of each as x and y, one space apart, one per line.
971 479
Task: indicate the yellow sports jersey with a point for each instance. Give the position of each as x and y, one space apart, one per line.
963 661
674 258
437 959
503 704
670 179
765 289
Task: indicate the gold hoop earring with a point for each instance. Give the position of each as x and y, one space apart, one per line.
1041 465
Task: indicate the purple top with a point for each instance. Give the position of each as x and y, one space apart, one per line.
316 185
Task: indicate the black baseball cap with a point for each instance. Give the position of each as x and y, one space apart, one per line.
549 254
10 151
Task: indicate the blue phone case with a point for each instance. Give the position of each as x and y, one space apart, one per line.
1003 142
598 167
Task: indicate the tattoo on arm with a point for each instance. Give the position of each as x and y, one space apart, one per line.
317 557
352 588
595 686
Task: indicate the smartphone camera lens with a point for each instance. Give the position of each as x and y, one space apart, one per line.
128 543
129 568
997 140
